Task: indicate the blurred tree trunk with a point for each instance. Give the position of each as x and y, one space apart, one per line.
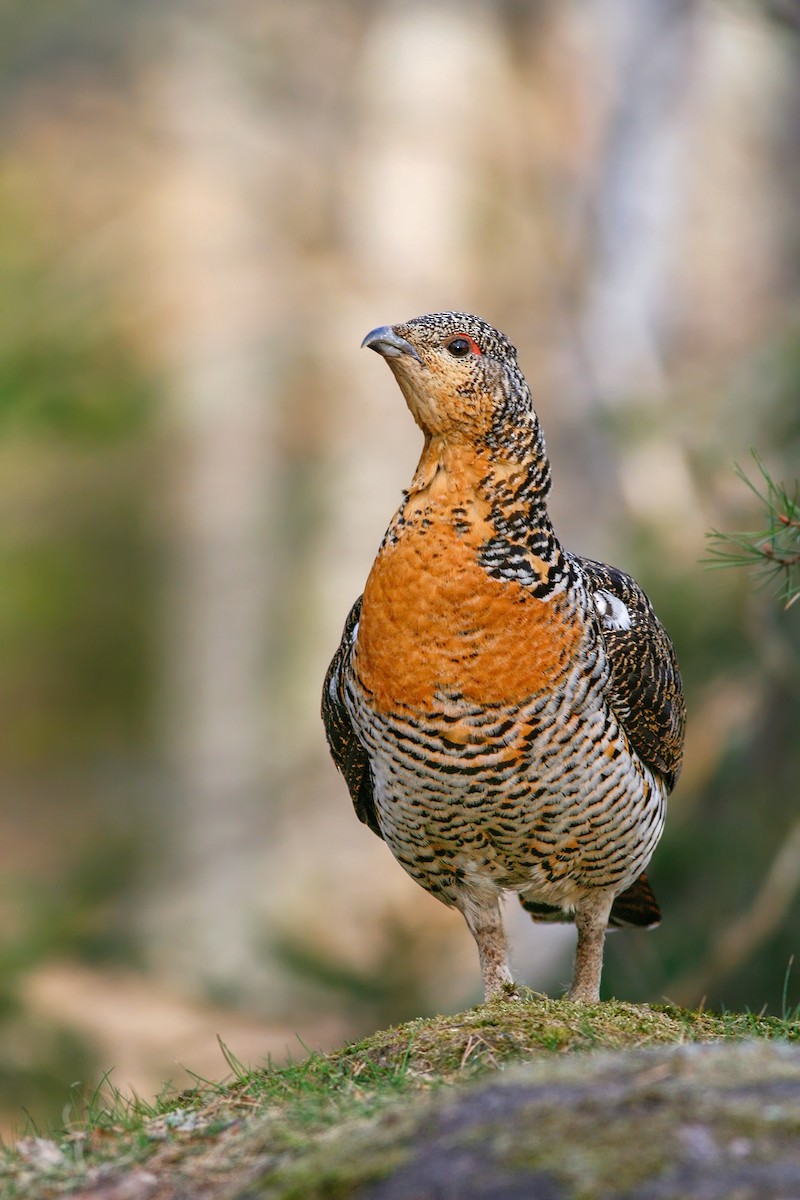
642 63
644 54
210 216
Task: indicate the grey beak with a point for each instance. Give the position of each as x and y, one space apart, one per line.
385 341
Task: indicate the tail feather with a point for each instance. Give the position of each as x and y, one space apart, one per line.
635 907
548 913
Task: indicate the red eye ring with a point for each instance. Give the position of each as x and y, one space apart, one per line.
461 345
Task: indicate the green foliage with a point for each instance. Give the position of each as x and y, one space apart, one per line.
69 382
74 612
773 551
67 369
74 622
77 913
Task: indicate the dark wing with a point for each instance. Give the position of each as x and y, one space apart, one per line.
647 697
646 688
346 750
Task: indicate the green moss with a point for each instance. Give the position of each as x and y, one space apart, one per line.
332 1171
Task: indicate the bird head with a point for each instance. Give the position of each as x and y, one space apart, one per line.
458 374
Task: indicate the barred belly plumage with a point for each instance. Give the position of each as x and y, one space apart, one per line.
546 799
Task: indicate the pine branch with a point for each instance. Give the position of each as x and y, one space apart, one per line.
773 552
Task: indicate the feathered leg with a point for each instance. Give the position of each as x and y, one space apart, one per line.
482 913
591 919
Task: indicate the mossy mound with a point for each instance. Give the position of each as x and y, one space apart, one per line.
527 1024
346 1123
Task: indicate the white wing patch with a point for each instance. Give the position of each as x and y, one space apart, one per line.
336 677
612 612
333 686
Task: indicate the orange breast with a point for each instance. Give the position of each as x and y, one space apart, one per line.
433 620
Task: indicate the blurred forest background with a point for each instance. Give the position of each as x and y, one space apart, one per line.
203 209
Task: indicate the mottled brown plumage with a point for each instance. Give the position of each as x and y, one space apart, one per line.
507 715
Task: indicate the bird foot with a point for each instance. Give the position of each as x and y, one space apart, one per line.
583 995
507 990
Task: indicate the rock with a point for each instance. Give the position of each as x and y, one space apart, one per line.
671 1123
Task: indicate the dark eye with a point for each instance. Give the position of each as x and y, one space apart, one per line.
461 346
